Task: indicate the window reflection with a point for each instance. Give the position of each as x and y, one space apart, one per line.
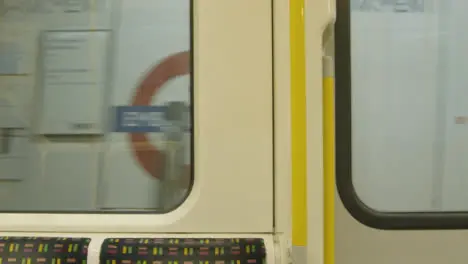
95 105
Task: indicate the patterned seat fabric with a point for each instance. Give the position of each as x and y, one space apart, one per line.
46 250
182 251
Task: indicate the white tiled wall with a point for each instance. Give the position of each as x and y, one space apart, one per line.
455 169
410 83
394 104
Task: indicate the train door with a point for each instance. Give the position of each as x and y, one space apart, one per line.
401 144
136 131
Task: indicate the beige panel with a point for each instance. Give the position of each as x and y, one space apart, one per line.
358 244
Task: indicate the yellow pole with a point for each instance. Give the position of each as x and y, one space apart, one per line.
298 130
329 160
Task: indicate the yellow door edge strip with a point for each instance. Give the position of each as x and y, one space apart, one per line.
298 126
329 159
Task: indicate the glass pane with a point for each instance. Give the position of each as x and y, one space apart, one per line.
409 115
95 105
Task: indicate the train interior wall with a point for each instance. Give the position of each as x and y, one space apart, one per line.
408 90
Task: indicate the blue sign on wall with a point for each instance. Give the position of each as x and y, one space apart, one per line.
140 119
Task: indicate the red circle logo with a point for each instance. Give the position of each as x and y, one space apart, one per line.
151 159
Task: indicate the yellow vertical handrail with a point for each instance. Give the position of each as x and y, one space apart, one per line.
329 160
298 130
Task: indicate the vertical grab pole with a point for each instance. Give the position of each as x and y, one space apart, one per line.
319 16
298 131
329 160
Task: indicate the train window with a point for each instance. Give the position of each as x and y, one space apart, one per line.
108 107
95 105
401 119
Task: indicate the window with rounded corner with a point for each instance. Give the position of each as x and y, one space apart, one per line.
131 115
95 106
401 115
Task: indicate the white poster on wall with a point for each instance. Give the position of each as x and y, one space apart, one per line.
17 48
74 74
